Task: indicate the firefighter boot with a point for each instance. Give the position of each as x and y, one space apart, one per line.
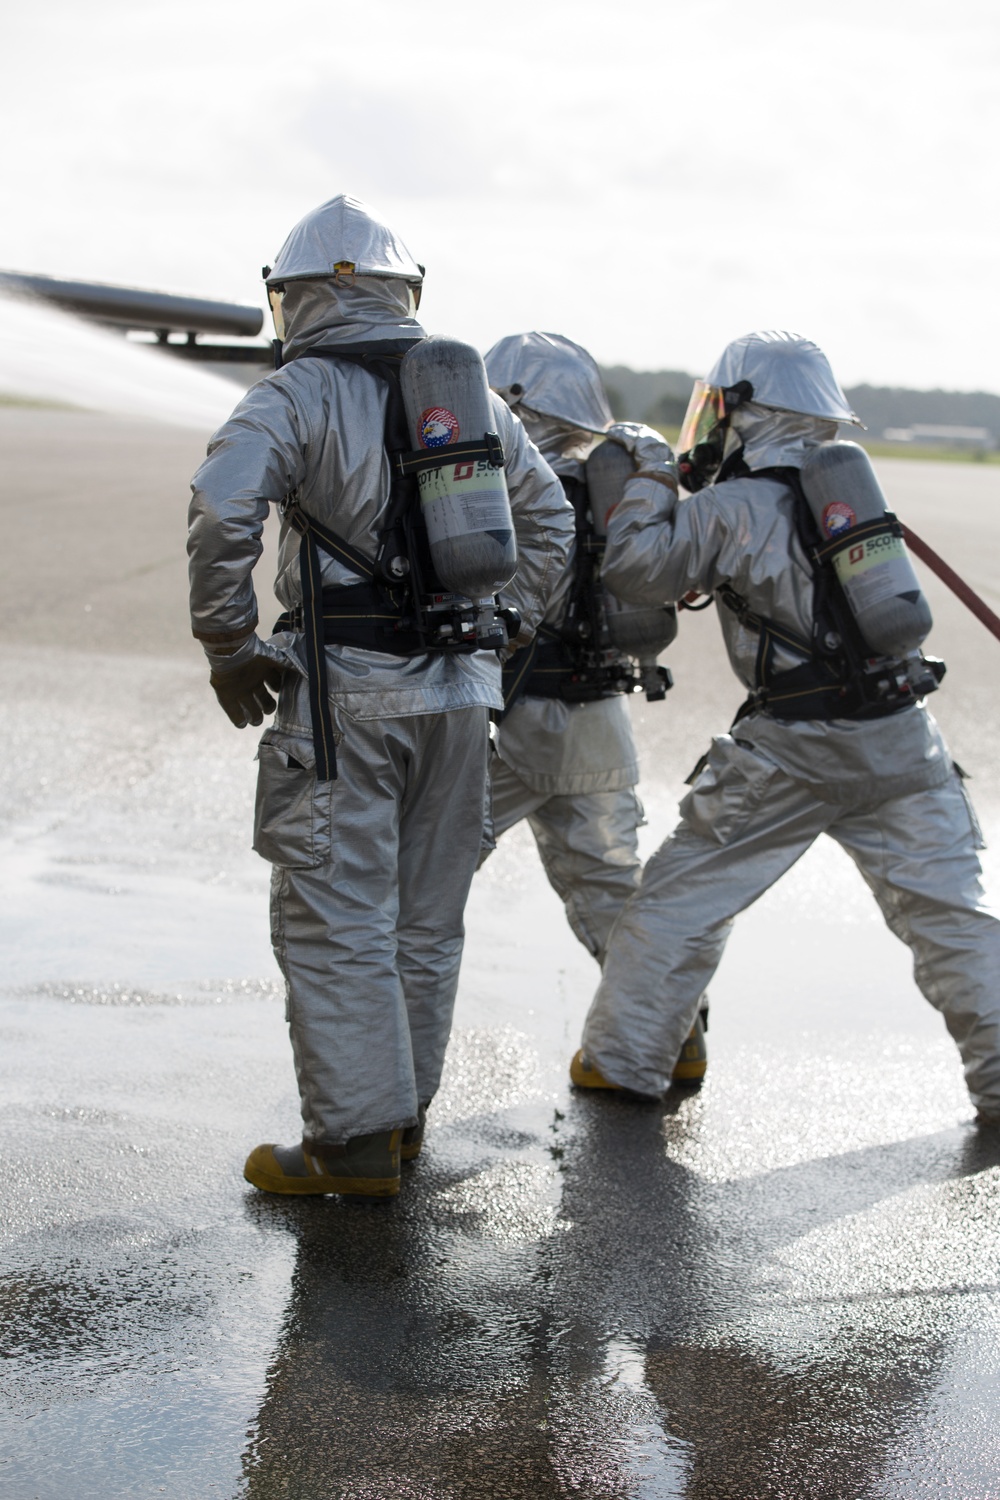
585 1075
691 1065
365 1167
413 1136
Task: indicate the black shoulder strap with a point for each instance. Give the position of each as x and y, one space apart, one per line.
579 630
582 622
361 354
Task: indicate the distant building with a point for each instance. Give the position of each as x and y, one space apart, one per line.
941 435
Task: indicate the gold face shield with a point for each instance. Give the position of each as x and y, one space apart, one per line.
276 298
706 409
702 445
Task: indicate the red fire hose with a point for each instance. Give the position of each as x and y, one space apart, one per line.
957 585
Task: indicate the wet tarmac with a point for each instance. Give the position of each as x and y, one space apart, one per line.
782 1285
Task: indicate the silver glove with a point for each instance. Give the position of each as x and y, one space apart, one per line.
651 453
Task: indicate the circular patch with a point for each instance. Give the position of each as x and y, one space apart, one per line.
438 427
837 517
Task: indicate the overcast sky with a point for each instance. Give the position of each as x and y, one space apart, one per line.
650 179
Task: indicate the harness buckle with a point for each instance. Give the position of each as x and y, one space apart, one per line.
289 510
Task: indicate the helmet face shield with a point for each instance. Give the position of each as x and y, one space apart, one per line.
276 298
704 438
706 409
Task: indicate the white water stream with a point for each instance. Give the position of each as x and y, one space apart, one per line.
47 355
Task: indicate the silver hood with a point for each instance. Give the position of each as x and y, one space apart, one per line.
556 378
555 387
772 439
361 310
787 373
344 234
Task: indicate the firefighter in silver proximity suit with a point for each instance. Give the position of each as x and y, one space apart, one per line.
570 767
884 786
373 858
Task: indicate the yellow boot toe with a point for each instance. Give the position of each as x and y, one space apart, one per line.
367 1167
585 1075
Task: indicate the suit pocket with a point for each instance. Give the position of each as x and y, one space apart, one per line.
293 812
727 791
975 827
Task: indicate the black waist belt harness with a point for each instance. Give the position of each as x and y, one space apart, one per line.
357 614
817 689
541 670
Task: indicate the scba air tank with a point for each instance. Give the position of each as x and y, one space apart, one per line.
640 630
863 540
463 495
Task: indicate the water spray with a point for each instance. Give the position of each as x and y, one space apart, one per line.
52 357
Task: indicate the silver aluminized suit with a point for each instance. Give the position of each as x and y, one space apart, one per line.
885 789
569 768
371 870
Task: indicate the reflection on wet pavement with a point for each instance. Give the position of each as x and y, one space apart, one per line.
571 1296
643 1336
